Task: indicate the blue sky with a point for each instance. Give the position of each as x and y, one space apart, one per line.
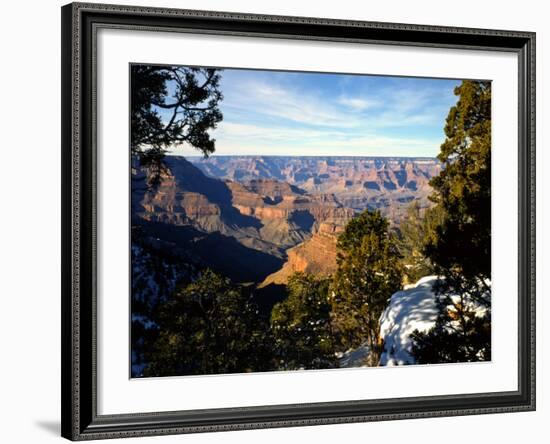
308 114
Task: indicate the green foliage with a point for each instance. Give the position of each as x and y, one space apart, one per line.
458 336
301 325
460 245
209 327
156 273
369 272
415 231
367 222
172 105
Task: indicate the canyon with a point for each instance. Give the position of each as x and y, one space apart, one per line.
388 184
258 219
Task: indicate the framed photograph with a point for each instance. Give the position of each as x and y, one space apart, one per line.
281 221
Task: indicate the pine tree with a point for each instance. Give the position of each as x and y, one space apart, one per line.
301 325
368 273
460 246
209 327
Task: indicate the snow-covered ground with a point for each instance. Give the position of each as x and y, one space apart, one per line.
354 358
412 309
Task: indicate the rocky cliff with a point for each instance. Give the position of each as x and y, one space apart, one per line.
388 184
265 215
289 209
317 256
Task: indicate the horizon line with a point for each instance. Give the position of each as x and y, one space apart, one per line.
305 155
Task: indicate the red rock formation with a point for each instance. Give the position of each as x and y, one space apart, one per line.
270 199
316 255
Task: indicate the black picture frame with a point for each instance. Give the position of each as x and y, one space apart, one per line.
80 420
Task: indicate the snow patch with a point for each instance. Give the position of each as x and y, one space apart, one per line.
412 309
355 357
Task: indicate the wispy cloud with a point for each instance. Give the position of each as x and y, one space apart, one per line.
299 113
358 103
299 106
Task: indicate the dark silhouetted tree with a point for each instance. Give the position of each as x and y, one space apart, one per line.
301 325
209 327
459 335
369 272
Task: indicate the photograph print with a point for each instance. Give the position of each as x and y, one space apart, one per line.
287 220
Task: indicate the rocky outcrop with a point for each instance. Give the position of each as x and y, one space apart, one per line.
317 256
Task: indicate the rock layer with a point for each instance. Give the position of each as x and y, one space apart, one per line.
290 209
385 183
264 214
316 255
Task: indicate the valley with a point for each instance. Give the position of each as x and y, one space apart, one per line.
259 219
